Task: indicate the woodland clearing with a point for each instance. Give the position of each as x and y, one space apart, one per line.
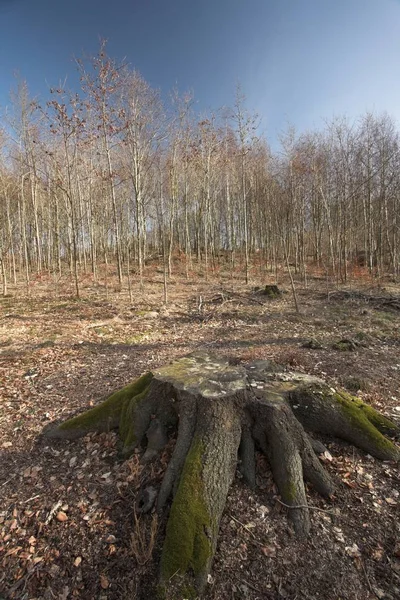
68 527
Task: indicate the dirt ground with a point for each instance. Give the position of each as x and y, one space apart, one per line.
68 527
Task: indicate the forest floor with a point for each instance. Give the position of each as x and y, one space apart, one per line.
68 527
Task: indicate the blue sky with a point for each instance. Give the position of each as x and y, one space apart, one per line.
298 61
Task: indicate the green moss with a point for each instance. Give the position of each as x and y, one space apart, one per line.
272 291
386 315
313 344
289 491
187 370
179 591
358 408
137 339
101 330
127 420
345 346
368 420
187 545
200 370
362 336
107 414
355 383
381 422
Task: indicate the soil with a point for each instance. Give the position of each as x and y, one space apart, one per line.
68 526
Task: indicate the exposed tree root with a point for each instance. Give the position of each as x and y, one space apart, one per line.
222 413
324 410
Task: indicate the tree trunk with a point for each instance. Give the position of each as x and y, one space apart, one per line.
220 412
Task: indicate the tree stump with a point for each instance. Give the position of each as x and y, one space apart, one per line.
221 414
272 291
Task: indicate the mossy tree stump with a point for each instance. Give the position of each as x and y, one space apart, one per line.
223 413
272 291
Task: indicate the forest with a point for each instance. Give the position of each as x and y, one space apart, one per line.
114 175
199 349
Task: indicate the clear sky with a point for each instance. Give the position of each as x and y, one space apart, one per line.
298 61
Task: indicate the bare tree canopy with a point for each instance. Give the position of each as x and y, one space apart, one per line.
114 175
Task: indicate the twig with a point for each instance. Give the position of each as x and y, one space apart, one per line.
8 481
33 498
252 587
53 511
94 325
330 512
371 589
395 572
248 530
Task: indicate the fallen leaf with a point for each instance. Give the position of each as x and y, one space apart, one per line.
353 551
338 534
13 551
104 582
77 561
64 594
349 484
377 554
268 550
61 516
37 559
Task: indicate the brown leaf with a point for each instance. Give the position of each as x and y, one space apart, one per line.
104 581
37 559
377 553
61 516
13 551
111 539
350 484
268 550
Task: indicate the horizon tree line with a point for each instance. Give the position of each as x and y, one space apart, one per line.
112 175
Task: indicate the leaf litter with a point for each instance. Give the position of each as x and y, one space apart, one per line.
67 508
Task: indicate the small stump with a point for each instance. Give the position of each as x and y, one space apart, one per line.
272 291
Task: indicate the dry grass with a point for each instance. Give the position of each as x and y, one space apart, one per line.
143 537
